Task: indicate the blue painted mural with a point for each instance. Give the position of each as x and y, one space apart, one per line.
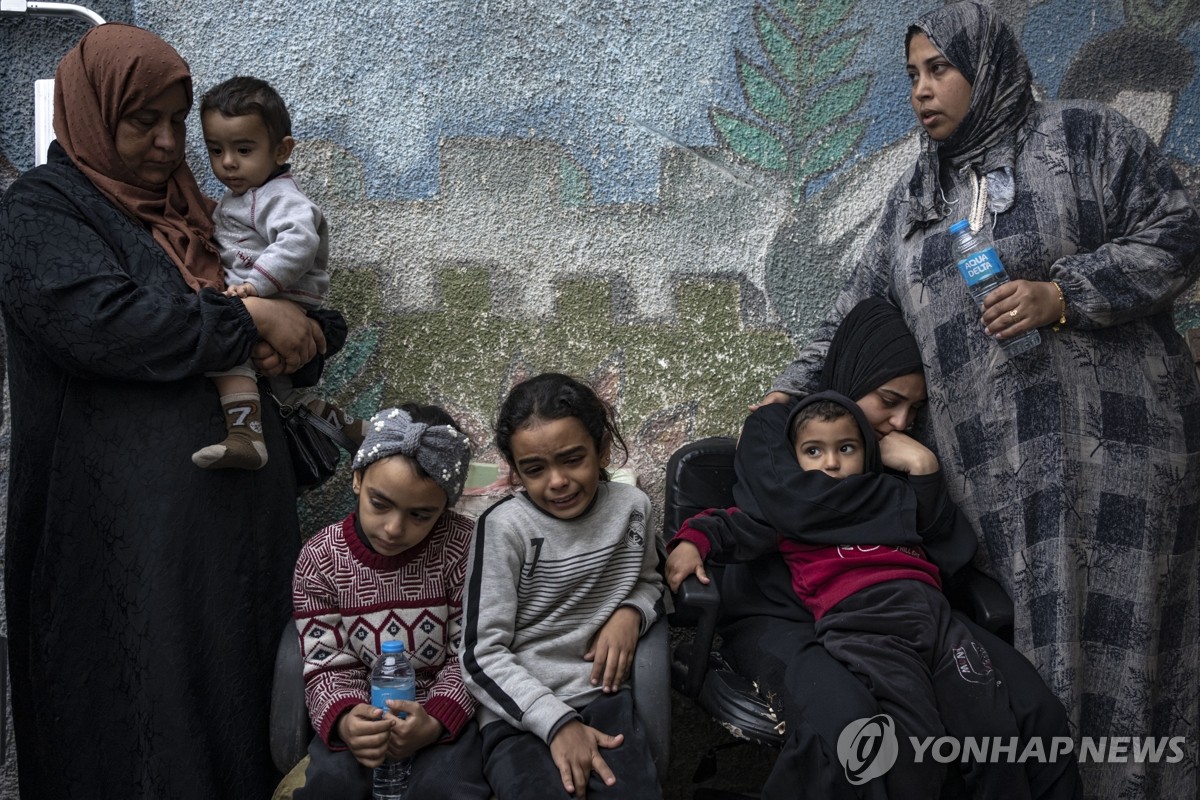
662 196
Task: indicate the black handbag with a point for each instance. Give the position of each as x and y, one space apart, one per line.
313 442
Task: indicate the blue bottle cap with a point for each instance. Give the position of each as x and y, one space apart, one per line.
392 646
959 227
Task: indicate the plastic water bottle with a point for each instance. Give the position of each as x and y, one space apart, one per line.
392 678
980 267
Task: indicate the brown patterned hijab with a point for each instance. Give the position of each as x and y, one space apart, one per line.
111 72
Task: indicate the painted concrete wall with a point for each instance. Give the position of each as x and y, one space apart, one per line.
662 197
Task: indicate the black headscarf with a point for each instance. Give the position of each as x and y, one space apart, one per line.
973 38
872 345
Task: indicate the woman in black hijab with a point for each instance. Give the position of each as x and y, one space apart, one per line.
769 637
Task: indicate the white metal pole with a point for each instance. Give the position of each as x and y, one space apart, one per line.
50 10
43 89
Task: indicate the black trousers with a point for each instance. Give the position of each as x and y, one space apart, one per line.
777 647
519 767
932 677
449 771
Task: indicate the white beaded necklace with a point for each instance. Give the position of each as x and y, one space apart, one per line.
979 203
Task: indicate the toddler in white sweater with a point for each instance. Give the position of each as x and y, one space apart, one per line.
274 242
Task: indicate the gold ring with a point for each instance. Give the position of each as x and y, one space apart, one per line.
1013 313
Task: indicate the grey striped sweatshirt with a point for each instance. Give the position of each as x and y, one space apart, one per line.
538 589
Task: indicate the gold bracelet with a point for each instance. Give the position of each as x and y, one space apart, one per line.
1062 308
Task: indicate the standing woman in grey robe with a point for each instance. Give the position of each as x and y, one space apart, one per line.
1079 461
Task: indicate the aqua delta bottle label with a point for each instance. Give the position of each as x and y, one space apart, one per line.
980 265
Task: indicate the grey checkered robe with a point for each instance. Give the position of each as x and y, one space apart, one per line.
1078 462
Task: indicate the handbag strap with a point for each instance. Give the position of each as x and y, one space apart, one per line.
321 424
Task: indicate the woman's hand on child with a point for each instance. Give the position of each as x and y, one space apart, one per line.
416 730
903 453
771 397
613 648
290 338
576 752
683 561
365 731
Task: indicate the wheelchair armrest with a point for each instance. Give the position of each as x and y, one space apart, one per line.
697 604
985 601
291 730
652 691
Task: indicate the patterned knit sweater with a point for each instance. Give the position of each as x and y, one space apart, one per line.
348 599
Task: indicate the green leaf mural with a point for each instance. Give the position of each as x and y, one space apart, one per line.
360 345
833 58
783 52
827 15
750 141
832 105
799 99
1167 17
793 10
767 98
833 149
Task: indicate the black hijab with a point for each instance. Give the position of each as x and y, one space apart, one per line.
872 345
973 38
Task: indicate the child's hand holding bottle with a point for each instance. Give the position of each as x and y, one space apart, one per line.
412 728
365 731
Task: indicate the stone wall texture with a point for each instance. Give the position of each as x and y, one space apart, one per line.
660 197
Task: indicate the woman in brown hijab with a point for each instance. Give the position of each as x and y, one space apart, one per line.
145 596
